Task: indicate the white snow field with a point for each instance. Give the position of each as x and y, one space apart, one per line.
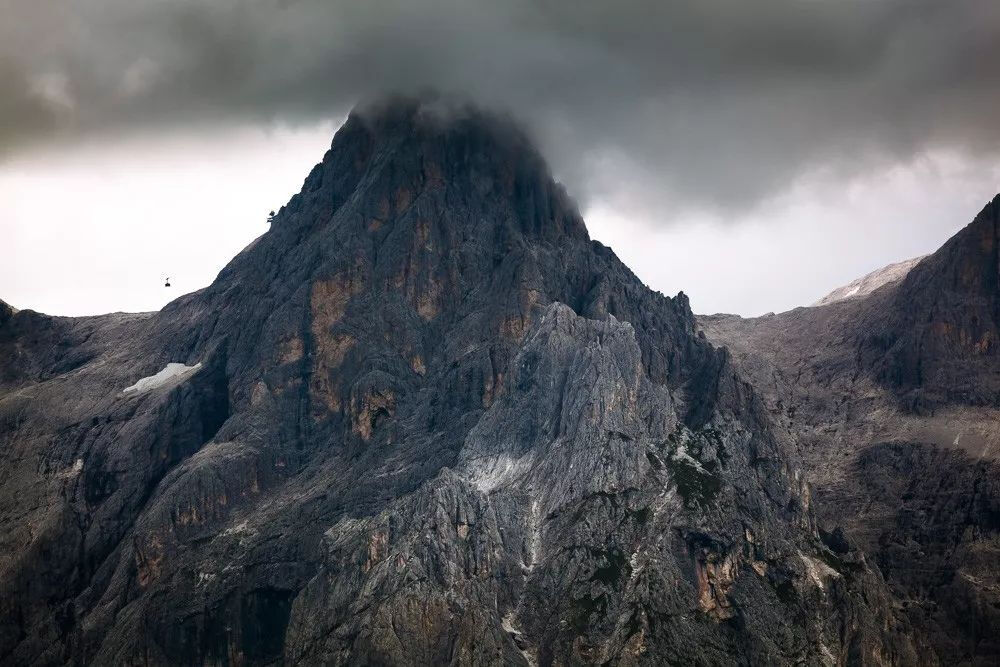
169 372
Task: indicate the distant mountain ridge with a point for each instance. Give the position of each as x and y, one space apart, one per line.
870 282
893 400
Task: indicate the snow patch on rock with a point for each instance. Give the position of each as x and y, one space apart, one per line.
170 372
867 284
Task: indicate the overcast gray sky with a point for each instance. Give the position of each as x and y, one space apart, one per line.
753 154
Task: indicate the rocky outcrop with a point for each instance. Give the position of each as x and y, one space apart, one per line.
870 282
433 422
891 399
937 341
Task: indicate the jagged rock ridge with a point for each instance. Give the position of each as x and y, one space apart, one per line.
870 282
433 422
893 400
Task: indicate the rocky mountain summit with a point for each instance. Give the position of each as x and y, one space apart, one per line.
893 401
870 282
422 420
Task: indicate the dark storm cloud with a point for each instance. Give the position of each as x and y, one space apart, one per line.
714 102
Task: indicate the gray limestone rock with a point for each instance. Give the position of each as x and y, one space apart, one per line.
892 401
433 422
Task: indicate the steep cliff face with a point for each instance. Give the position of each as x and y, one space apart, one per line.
937 341
424 419
892 401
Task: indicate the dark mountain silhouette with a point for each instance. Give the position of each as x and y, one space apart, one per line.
424 419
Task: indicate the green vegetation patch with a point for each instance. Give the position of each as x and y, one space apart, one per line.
642 516
844 567
785 591
694 484
585 607
613 567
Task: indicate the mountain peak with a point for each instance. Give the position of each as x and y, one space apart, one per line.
6 311
893 398
426 381
968 262
870 282
942 330
396 150
437 115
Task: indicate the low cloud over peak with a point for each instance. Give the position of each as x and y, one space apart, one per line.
715 103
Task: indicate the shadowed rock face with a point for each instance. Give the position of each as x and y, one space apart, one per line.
893 401
432 423
938 342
